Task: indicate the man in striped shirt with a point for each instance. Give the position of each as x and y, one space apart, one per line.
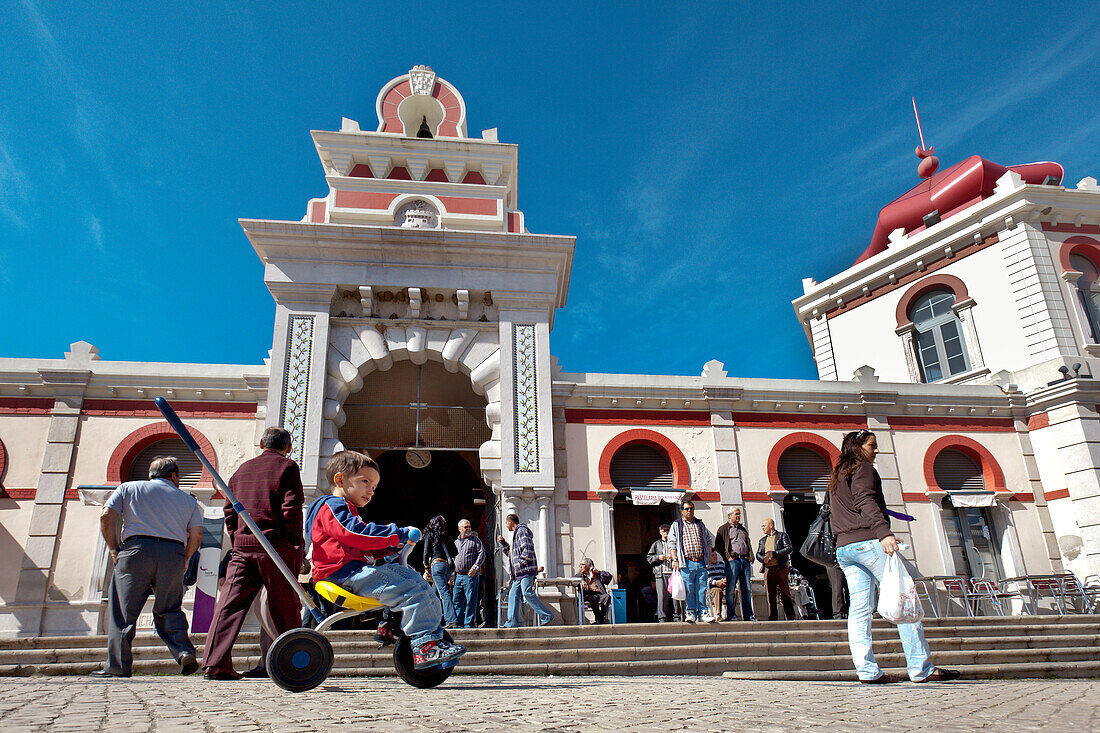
468 564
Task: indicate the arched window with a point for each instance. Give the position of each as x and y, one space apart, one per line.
938 336
641 466
956 471
190 467
802 469
1088 291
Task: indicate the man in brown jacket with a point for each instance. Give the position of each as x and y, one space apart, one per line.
270 488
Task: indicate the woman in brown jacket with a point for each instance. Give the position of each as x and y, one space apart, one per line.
863 538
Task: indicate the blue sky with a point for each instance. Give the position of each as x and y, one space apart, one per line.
706 157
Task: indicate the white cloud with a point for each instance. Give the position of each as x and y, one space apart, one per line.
14 189
85 125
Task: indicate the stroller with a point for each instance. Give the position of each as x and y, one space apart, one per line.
301 659
803 594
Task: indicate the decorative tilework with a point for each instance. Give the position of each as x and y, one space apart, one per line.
525 402
299 347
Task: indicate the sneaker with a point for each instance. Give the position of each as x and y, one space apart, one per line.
689 618
708 619
433 653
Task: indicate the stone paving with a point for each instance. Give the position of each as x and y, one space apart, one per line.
544 704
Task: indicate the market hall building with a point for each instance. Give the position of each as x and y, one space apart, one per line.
413 315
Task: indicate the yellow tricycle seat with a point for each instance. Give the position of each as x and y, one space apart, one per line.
345 598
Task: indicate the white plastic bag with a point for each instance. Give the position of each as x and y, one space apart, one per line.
897 594
676 586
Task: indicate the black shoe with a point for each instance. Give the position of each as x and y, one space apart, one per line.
256 673
188 664
939 674
104 674
882 679
223 676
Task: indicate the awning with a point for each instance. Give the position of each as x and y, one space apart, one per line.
642 497
968 499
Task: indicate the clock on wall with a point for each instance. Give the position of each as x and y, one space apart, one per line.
418 458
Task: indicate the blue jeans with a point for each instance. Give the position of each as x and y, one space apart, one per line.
396 587
523 588
694 574
863 564
739 575
465 598
441 574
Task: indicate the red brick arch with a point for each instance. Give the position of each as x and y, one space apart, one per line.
813 441
681 478
128 449
991 471
925 285
1084 246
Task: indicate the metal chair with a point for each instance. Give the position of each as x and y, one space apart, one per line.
987 590
1091 591
1048 584
926 592
1072 590
956 588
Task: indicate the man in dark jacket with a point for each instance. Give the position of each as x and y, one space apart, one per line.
270 488
734 546
774 553
660 562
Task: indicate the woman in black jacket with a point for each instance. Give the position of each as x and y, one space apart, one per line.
439 564
864 540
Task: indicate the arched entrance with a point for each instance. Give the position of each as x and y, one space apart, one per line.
802 472
638 471
424 426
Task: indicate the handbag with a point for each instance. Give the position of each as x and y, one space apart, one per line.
820 543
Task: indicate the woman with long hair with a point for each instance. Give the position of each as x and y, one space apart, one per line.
439 564
864 540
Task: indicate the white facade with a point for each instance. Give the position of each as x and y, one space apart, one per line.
413 313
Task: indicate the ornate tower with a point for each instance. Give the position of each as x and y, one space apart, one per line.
418 252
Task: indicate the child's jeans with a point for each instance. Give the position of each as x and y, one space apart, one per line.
399 588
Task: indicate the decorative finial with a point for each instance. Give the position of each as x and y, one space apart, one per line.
422 80
929 162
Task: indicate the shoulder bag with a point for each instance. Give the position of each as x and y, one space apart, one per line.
820 544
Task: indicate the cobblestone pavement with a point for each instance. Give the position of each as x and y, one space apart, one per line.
544 704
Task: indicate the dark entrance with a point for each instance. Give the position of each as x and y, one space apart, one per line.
636 528
799 512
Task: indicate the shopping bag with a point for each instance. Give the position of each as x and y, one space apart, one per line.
676 587
897 594
820 544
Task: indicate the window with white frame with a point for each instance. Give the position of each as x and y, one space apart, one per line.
938 337
1088 292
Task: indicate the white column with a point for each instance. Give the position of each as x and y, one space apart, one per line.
906 334
543 548
964 311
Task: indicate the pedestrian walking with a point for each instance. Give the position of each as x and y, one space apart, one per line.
161 530
523 567
269 487
864 540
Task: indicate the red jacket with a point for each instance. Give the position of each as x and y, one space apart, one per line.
338 536
269 487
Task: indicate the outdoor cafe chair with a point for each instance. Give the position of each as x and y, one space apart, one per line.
956 588
987 590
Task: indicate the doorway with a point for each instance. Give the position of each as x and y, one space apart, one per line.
799 512
636 528
971 538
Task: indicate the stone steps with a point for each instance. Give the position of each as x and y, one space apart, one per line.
1012 646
